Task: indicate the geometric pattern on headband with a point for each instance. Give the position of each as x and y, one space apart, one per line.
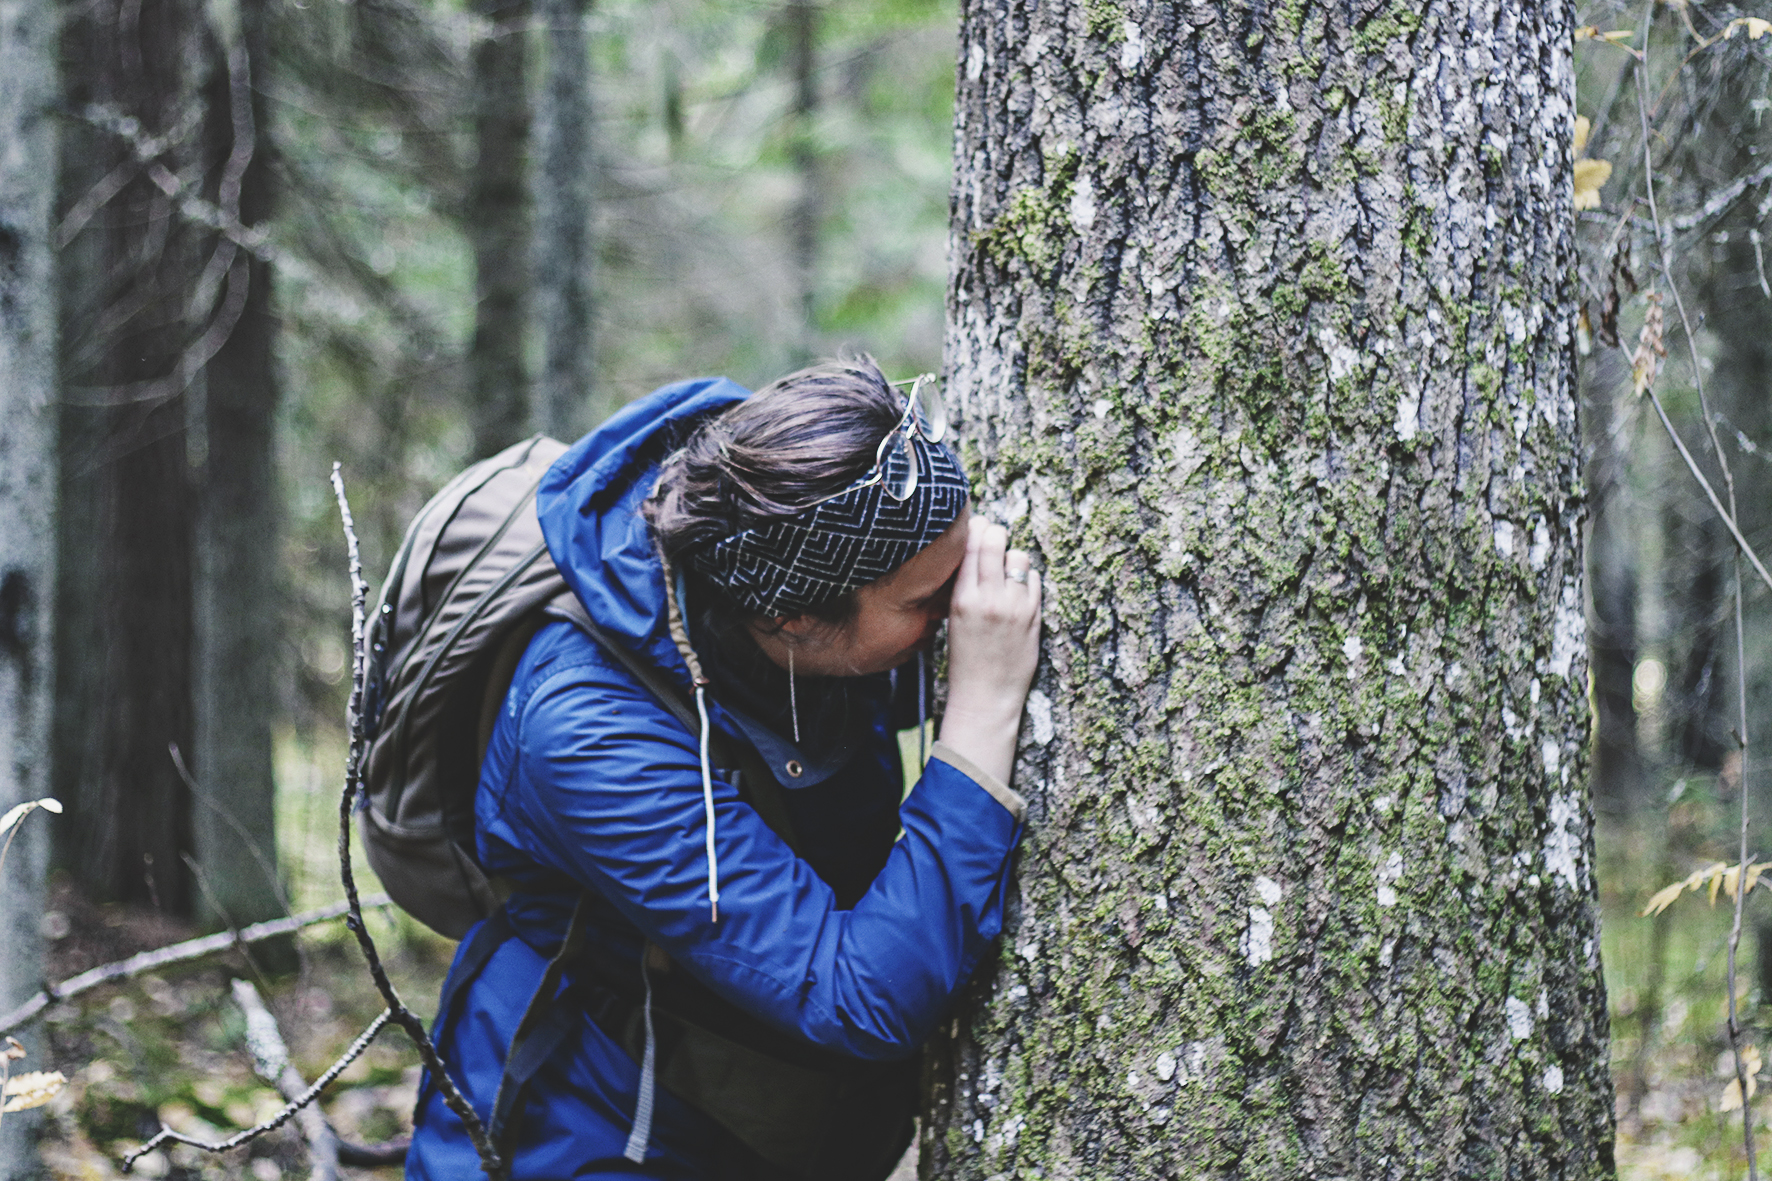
799 563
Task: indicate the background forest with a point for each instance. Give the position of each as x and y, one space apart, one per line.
402 234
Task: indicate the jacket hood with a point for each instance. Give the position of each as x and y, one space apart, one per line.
589 502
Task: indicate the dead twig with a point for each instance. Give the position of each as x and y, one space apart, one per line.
282 1117
490 1158
177 953
1663 246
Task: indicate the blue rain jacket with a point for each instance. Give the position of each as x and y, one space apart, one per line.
590 782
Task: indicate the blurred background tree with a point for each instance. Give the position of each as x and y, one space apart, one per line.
390 233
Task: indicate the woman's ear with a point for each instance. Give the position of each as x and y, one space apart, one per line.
793 628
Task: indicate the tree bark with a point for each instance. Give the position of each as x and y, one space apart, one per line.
563 211
125 534
497 219
239 608
1260 334
27 502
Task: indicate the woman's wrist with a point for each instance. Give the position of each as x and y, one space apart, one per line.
985 737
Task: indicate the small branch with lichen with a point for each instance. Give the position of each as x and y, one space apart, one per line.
270 1057
406 1019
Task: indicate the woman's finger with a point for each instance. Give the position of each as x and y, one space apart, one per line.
992 544
967 577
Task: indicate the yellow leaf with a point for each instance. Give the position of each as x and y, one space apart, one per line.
1611 37
1732 1095
1716 882
34 1089
1750 1059
1582 127
1756 27
1589 176
1663 899
1753 874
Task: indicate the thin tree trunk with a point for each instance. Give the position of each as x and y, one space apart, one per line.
1613 560
1260 331
497 219
563 210
27 503
125 536
803 218
239 605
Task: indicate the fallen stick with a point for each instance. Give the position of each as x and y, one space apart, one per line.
270 1056
177 953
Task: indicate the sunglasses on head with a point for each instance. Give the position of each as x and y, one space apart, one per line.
895 463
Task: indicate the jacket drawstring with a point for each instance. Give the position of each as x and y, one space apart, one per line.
680 634
642 1133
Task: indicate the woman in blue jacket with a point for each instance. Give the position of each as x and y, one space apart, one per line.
733 998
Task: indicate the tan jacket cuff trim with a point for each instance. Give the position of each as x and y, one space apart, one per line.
999 790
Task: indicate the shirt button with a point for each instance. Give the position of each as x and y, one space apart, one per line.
794 769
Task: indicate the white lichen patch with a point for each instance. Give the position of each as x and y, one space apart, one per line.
1568 630
1258 938
1100 407
1165 1066
1563 843
1539 554
1083 204
1389 874
1342 359
1519 1018
1352 649
1268 891
1552 753
1504 538
1132 49
1553 1079
1408 422
1516 729
1039 707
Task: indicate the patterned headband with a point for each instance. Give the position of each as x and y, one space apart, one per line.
799 563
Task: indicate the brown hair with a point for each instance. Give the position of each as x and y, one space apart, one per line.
800 439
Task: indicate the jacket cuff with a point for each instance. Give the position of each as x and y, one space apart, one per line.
998 790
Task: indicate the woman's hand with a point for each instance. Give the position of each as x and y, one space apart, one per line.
993 646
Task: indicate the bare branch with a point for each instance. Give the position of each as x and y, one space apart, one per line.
490 1159
282 1117
1710 425
1720 201
177 953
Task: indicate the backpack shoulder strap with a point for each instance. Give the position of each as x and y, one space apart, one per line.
757 784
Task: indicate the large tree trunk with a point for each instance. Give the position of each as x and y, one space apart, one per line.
125 532
239 605
496 217
27 502
1261 335
563 245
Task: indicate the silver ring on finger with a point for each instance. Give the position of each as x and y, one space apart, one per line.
1020 576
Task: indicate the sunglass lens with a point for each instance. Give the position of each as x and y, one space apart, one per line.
931 409
901 467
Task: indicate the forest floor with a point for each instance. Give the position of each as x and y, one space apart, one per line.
169 1047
